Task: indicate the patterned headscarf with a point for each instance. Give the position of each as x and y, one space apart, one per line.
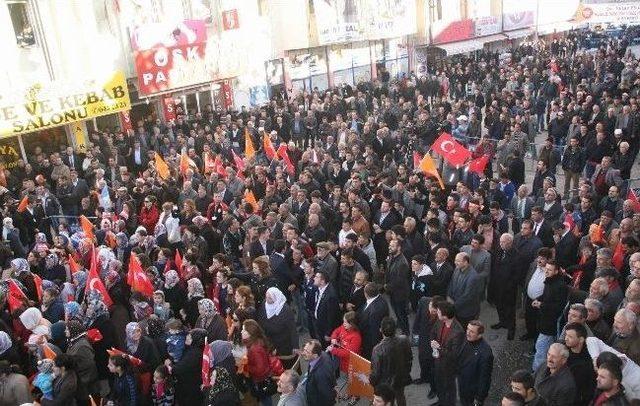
5 342
68 291
41 238
73 311
80 278
45 366
111 278
122 240
159 230
20 265
132 345
95 308
194 287
171 279
76 331
207 306
223 383
51 260
220 351
155 327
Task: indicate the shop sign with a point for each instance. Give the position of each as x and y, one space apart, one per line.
620 12
125 122
168 109
47 105
349 21
170 56
453 31
487 25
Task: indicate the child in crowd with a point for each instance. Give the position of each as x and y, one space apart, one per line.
161 308
162 393
44 378
175 339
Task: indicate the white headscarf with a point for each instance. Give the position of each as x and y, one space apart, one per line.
5 342
30 318
279 301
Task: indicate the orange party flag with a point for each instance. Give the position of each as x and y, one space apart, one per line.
250 198
249 149
161 167
269 150
48 352
37 280
23 204
178 261
87 227
358 377
428 167
73 265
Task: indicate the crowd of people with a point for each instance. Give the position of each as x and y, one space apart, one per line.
277 242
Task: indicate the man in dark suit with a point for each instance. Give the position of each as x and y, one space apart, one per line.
263 245
280 267
521 205
137 158
29 222
383 221
505 277
356 299
375 309
397 284
72 160
566 247
438 283
541 227
320 380
274 225
325 315
447 337
391 361
80 187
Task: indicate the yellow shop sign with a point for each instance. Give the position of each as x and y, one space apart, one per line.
53 104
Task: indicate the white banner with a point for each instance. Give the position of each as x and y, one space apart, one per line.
488 25
622 12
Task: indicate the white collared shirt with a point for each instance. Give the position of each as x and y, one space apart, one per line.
320 293
369 301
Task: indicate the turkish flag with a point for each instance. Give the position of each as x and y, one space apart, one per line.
15 296
282 152
451 150
38 282
95 283
219 166
269 150
631 195
206 364
137 278
416 160
479 164
133 360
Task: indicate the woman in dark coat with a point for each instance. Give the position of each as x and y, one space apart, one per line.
210 320
155 330
97 317
188 371
277 320
144 349
8 350
174 292
65 383
223 391
190 312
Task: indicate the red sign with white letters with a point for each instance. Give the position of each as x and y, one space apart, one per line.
168 108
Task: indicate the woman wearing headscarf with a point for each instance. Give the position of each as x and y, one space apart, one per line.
68 292
21 271
79 348
144 349
33 321
221 352
210 320
52 306
122 249
14 387
66 384
223 391
156 332
52 270
7 350
80 281
174 291
160 236
40 244
189 311
97 317
140 305
277 320
188 371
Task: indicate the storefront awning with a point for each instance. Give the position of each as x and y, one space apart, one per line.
525 32
462 47
550 28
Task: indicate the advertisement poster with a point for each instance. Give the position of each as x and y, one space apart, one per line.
488 25
517 14
618 12
47 105
358 20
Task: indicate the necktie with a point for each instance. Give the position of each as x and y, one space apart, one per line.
521 208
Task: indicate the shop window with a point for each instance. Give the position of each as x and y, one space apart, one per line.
49 140
22 26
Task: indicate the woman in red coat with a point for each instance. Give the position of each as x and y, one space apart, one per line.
258 366
345 339
149 214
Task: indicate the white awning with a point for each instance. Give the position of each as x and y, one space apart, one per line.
525 32
462 47
550 28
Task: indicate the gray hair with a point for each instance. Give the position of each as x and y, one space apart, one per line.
629 316
579 307
594 303
605 252
562 350
294 377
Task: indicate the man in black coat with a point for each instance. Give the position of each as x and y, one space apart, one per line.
442 272
580 362
542 227
447 337
370 317
397 285
263 245
320 380
325 315
383 221
474 366
391 361
504 281
566 247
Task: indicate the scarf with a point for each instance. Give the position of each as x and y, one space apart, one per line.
132 345
220 350
95 309
223 383
5 342
279 300
171 279
19 265
195 289
76 331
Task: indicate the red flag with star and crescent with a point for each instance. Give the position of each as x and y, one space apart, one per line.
451 150
137 278
206 364
94 282
15 296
